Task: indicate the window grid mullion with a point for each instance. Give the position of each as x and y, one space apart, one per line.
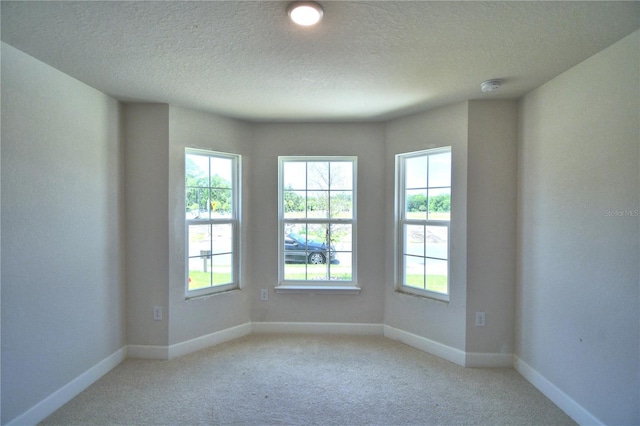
403 221
232 185
320 193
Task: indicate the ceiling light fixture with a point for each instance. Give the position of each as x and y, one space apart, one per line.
305 13
490 85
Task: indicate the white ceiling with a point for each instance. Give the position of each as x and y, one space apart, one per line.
370 60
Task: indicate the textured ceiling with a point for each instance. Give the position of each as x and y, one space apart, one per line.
364 61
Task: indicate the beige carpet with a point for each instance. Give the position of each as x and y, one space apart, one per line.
308 380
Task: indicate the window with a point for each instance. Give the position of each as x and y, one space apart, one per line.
317 222
423 197
212 197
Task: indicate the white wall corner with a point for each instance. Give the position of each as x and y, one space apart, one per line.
427 345
317 328
208 340
147 352
555 394
488 360
66 393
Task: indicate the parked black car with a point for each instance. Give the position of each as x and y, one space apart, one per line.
297 249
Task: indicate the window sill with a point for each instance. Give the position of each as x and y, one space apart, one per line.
189 297
310 289
443 298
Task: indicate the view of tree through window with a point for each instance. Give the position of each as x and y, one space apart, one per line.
317 218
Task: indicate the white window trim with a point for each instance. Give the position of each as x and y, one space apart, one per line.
234 221
400 221
312 287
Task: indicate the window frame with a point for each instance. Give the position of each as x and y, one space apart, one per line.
401 221
316 286
234 221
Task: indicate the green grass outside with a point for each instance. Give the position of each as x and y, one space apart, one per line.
295 272
437 283
303 277
201 279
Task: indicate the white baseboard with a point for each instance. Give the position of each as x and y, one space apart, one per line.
427 345
50 404
574 410
148 352
488 360
63 395
209 340
318 328
189 346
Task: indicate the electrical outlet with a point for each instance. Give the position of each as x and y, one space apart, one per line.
480 319
157 313
264 294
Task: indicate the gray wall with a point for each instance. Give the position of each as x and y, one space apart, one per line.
147 222
578 275
199 317
435 320
491 225
66 158
363 140
156 136
62 223
483 137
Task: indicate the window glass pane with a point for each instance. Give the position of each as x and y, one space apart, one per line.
318 175
199 273
295 204
307 244
222 238
196 170
295 244
424 188
295 271
414 240
295 173
221 203
318 204
413 271
210 199
440 204
341 237
440 169
416 204
199 240
319 190
221 169
297 231
221 269
416 172
341 267
317 272
341 204
317 237
341 175
196 200
437 242
437 275
341 252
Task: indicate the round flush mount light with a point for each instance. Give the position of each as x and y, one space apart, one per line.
305 13
490 85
